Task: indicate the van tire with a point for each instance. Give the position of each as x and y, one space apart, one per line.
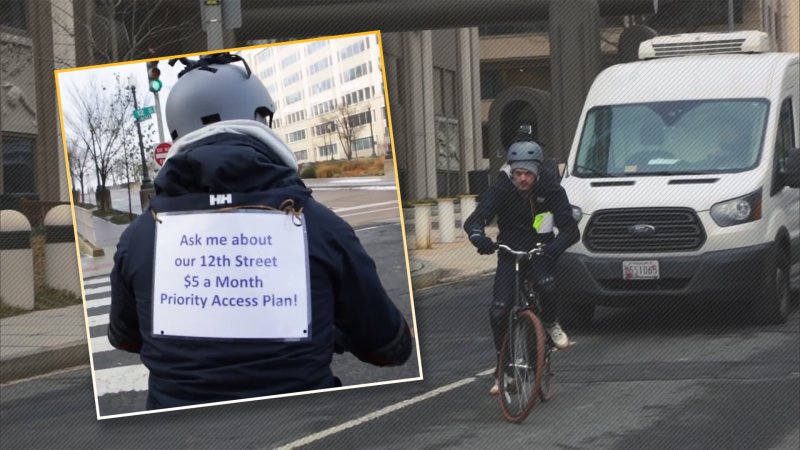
772 307
576 315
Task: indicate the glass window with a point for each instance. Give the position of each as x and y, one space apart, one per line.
301 155
361 144
322 86
314 46
351 50
684 137
785 140
328 151
295 136
289 60
14 14
294 97
18 169
293 78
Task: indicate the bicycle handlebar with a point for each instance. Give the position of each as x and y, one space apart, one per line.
538 251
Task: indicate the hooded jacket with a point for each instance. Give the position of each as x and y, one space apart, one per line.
346 294
515 212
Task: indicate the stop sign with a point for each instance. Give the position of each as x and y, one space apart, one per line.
161 152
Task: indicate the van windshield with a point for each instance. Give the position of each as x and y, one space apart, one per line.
672 138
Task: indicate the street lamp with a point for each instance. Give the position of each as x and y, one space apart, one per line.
147 183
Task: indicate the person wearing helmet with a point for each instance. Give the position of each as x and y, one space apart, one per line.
225 152
524 200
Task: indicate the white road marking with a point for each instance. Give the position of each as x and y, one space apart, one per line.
102 319
382 412
368 212
101 344
121 379
369 205
98 290
98 302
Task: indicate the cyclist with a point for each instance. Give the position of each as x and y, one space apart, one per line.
525 200
219 116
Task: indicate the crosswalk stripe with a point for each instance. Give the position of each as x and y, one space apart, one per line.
121 379
98 320
97 290
101 344
94 282
98 302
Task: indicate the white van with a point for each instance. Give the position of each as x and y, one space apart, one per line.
684 176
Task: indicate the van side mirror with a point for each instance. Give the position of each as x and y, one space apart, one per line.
792 175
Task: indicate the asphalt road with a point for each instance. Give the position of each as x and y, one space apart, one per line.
691 378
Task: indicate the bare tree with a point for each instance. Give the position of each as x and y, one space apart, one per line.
347 121
79 166
99 120
122 30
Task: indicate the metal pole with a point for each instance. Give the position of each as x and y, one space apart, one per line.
214 25
146 181
158 117
730 15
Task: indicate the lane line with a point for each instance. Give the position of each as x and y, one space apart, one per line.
97 290
94 283
101 344
381 412
102 319
370 205
368 212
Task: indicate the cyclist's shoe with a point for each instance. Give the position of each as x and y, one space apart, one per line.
558 336
511 386
495 390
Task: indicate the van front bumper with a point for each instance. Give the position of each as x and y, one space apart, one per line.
725 275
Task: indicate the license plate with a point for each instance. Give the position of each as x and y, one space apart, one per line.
640 270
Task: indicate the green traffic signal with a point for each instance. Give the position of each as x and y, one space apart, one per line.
153 74
155 85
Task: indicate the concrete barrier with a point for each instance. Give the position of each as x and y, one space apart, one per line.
61 265
422 226
447 220
16 259
85 222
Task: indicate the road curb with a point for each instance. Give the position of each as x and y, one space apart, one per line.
59 358
424 274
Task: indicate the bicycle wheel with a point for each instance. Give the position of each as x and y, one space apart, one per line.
521 366
546 386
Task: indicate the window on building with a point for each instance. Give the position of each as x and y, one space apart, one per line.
295 136
324 128
361 144
322 108
18 169
323 63
356 120
322 86
328 151
358 96
293 78
444 92
356 72
314 46
301 155
289 60
295 117
351 50
265 55
294 97
13 15
266 73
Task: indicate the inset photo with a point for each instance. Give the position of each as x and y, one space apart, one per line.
240 226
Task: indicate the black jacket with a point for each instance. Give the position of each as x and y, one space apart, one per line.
346 294
515 213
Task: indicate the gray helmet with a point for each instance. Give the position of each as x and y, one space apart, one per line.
214 90
525 155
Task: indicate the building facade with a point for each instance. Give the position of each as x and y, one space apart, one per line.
329 96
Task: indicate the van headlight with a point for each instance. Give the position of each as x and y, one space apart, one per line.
738 210
577 213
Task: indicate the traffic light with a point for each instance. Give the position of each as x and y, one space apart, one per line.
153 72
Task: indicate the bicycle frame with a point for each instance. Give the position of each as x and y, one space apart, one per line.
525 311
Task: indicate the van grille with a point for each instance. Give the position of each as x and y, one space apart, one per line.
698 48
612 230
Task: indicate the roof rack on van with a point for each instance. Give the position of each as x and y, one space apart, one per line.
704 44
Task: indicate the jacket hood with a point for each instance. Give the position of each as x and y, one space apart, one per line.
225 163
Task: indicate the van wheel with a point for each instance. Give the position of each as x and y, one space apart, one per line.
576 315
773 307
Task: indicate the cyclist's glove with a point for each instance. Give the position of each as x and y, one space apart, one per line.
484 244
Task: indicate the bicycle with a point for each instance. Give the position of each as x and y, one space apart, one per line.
524 369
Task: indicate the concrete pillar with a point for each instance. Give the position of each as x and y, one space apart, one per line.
447 220
477 133
422 226
466 117
16 259
574 63
61 255
421 163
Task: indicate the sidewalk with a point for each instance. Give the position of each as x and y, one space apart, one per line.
41 342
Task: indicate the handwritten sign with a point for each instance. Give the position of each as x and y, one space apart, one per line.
236 275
